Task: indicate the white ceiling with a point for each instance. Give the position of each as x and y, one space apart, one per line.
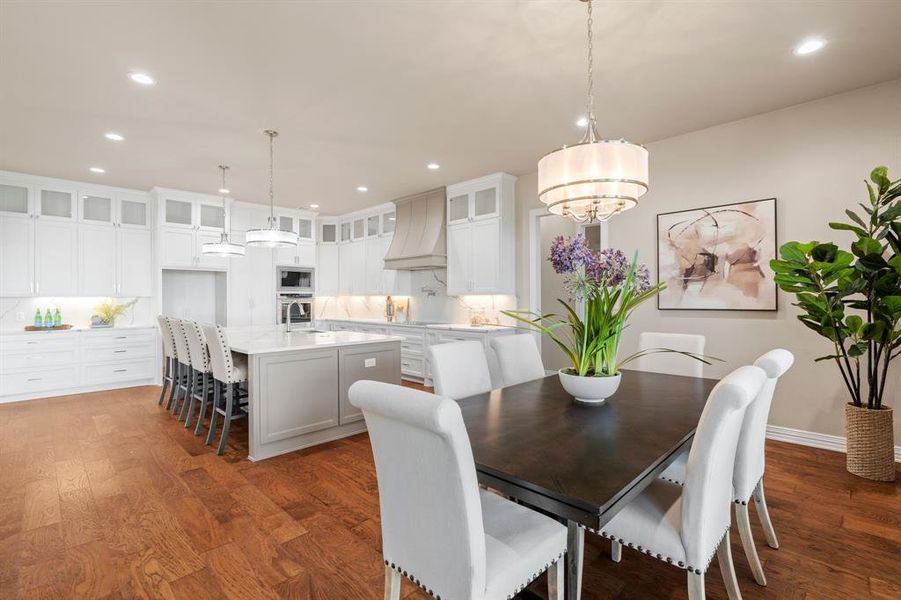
367 93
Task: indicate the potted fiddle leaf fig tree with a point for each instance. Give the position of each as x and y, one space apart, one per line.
853 299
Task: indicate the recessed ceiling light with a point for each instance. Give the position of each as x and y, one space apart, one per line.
582 122
809 46
224 191
142 78
112 135
314 206
97 170
433 166
362 188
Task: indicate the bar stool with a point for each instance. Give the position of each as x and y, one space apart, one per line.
200 373
229 370
183 388
169 368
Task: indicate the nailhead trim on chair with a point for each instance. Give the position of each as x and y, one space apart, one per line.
435 595
677 482
658 556
205 366
229 363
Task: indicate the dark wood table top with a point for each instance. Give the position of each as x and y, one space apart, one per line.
582 462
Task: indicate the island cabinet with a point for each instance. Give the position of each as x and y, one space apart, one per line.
299 383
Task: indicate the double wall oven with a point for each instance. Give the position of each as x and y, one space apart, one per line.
294 294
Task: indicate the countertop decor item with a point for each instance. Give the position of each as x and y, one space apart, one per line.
224 247
108 311
272 236
593 179
853 299
60 327
611 287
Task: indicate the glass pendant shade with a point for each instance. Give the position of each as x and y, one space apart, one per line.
223 248
272 237
593 180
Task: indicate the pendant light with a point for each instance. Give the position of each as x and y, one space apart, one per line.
223 247
272 237
595 178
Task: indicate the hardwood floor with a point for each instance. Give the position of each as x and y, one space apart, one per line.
104 495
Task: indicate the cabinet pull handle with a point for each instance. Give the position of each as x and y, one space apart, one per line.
120 370
121 337
34 357
31 343
35 379
119 351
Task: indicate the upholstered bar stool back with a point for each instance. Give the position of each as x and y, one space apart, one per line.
166 334
460 369
169 370
671 363
201 369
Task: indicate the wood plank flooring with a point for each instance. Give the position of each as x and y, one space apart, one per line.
104 495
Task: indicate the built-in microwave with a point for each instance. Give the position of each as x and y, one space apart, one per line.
296 308
293 280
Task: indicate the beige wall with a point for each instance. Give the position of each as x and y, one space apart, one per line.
812 158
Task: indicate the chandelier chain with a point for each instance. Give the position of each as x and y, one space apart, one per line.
590 107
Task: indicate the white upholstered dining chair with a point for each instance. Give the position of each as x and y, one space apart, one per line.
452 539
460 369
671 363
750 461
686 525
518 358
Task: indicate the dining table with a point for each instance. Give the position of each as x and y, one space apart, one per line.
581 463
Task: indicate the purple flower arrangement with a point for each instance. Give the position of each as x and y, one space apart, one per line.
588 270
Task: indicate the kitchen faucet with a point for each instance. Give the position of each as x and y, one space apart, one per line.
288 315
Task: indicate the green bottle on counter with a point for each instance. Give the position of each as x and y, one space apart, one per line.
38 321
48 319
57 318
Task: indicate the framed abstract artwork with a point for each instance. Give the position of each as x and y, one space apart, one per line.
718 258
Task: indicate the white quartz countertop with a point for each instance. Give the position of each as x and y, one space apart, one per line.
85 328
425 325
264 340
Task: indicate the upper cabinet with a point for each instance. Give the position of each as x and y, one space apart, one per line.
304 253
481 230
187 221
130 210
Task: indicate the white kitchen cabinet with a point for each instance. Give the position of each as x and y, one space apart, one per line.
251 286
15 199
480 236
176 248
187 222
135 262
328 233
351 269
97 208
54 203
327 270
97 255
303 255
373 266
16 254
56 258
394 283
208 262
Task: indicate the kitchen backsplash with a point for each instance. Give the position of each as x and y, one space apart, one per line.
74 311
429 302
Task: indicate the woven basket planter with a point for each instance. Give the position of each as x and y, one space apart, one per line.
871 444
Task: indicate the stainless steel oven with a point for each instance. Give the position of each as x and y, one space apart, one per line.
294 280
299 305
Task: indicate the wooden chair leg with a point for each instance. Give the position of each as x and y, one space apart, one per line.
555 581
217 387
392 584
167 374
227 419
724 556
695 586
743 520
173 389
764 514
616 551
204 400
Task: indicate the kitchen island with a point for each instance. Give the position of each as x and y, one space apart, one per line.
298 382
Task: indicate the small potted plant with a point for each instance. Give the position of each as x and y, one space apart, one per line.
853 299
108 311
608 287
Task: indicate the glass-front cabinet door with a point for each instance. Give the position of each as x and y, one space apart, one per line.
345 231
458 209
14 199
134 212
328 233
286 223
178 213
96 209
485 203
56 204
211 217
359 226
305 228
388 222
372 226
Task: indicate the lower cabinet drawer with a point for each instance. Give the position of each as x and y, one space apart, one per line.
101 339
410 365
122 352
37 359
113 372
41 381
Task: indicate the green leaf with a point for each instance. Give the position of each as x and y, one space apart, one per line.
892 305
866 245
824 253
853 216
847 227
879 176
853 322
792 251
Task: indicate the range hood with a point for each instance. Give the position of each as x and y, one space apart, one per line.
419 237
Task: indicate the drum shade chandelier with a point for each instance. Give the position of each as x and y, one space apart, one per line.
224 247
272 237
595 178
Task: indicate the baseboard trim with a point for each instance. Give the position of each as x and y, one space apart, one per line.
836 443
